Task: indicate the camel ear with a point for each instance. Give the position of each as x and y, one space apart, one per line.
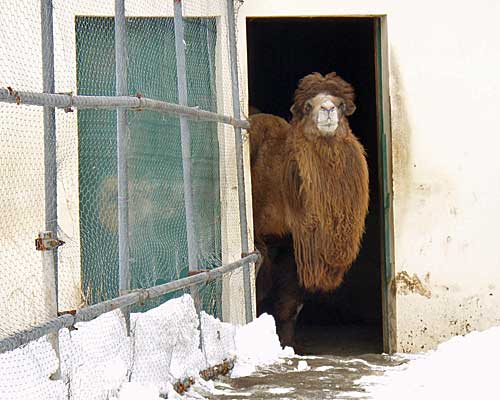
349 107
297 112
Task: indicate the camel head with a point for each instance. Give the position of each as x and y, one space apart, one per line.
322 103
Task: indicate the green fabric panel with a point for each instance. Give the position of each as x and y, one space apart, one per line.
158 246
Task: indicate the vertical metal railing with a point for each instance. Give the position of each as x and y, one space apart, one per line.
180 56
49 255
122 143
239 158
185 135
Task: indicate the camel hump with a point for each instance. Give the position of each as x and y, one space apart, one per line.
268 126
266 131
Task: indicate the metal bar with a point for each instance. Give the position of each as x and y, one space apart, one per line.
185 136
211 67
121 154
139 296
23 337
49 257
239 158
49 128
68 101
142 295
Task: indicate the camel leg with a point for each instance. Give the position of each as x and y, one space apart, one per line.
264 278
288 297
286 321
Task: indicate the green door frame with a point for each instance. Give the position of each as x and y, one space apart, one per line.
385 167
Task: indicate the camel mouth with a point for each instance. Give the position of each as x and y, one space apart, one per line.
328 128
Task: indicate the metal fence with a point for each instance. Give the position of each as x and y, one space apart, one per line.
122 170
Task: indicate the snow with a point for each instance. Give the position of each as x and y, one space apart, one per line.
171 342
218 339
281 390
324 368
167 344
95 356
25 372
465 367
303 366
134 391
257 344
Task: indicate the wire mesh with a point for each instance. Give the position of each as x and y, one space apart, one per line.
168 344
156 204
22 188
84 175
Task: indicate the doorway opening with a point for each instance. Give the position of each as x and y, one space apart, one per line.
281 51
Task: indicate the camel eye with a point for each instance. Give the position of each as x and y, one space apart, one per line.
307 106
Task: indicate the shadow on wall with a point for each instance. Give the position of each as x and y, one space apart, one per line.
402 163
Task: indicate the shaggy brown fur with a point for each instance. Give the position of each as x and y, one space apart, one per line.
310 185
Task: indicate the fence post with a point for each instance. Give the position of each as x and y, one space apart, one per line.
121 143
49 254
180 56
239 158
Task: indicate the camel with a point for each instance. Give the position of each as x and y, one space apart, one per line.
309 182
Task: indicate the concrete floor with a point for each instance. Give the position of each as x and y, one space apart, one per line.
340 340
338 356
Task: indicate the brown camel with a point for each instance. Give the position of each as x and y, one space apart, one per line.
309 181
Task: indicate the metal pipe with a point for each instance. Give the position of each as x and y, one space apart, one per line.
68 101
49 257
49 128
180 56
239 158
135 297
141 295
211 67
121 145
23 337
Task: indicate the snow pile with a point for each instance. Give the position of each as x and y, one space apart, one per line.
146 391
465 367
167 343
95 357
134 391
257 344
217 339
25 372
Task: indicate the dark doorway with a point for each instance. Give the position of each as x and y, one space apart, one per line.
280 52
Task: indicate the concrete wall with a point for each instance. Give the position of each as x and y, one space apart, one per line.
23 279
443 63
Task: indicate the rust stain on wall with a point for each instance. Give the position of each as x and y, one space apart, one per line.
406 284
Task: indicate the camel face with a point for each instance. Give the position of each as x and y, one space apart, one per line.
325 111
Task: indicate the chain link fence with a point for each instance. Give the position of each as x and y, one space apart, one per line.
122 165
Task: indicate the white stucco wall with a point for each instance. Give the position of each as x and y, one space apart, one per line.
445 91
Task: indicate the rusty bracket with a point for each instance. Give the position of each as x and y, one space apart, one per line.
14 94
45 241
69 108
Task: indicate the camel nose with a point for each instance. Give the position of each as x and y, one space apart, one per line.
328 105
